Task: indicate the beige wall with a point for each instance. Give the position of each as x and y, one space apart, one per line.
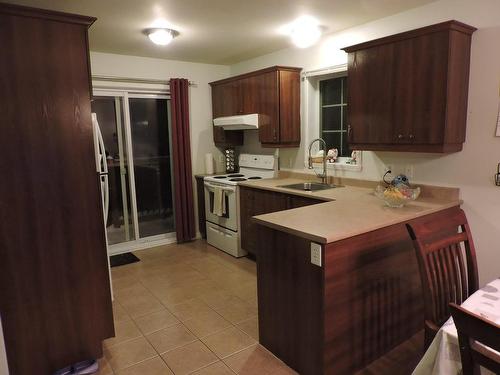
472 169
200 102
4 369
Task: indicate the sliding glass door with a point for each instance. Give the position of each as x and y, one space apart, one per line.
136 133
153 179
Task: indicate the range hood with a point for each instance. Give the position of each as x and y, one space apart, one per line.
240 122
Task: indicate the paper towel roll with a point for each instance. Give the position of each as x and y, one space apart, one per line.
209 164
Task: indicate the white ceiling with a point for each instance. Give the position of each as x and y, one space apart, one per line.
214 31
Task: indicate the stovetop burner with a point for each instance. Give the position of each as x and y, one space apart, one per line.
220 176
254 178
235 175
238 179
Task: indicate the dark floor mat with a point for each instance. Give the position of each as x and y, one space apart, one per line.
122 259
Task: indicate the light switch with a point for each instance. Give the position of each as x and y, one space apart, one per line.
316 254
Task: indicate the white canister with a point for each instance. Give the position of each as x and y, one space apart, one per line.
209 164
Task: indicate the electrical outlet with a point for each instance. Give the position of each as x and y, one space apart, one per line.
316 254
410 171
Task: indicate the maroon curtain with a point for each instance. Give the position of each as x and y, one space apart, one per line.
183 180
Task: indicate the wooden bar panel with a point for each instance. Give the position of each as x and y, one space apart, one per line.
373 299
364 301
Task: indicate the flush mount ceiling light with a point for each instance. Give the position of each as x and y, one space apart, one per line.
304 31
161 36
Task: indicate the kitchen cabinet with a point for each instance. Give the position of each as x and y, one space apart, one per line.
362 302
200 192
257 202
408 92
224 102
55 298
273 93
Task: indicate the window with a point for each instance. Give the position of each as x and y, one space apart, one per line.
325 110
333 114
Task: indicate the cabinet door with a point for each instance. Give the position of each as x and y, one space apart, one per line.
370 96
225 102
289 99
249 95
296 201
247 231
200 192
261 96
420 88
256 202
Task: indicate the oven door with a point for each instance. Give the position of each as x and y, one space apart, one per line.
229 219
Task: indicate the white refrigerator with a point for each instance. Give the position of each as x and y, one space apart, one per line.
102 173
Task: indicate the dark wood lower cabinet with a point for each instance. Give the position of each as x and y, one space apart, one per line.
55 301
257 202
365 300
200 191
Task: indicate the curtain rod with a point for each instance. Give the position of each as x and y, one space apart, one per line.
134 80
327 70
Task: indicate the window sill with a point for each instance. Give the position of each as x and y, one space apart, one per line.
343 164
340 166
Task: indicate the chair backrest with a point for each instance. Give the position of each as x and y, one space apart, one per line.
447 262
473 333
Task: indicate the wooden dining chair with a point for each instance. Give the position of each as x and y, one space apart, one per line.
473 333
447 262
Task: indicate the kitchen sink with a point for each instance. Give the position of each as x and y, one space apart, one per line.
309 186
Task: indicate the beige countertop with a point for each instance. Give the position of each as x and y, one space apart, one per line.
348 211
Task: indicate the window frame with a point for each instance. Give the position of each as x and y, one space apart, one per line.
343 105
312 116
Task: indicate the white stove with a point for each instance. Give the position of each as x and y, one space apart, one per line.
222 200
252 167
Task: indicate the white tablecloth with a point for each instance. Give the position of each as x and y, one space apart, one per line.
443 355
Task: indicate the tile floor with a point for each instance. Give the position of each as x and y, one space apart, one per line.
186 309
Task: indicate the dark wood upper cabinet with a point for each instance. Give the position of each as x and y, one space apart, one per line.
224 103
55 301
408 92
273 93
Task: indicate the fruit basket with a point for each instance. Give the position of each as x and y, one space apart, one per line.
397 195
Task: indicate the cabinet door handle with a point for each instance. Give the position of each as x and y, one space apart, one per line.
274 134
400 136
349 131
411 136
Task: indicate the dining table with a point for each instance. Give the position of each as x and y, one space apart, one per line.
443 355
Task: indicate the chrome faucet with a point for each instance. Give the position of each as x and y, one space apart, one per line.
323 175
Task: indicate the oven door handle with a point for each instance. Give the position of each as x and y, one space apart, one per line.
225 188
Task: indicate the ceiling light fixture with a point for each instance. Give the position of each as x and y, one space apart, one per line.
161 36
304 31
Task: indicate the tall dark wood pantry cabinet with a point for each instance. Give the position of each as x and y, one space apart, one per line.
55 302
